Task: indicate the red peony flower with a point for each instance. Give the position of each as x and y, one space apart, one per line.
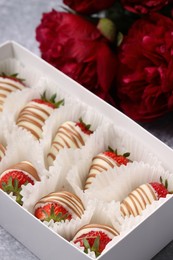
76 47
89 6
144 6
145 84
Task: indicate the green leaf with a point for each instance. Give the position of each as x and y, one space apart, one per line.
52 99
96 244
166 184
126 154
86 245
59 103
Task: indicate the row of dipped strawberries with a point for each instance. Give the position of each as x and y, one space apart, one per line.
63 205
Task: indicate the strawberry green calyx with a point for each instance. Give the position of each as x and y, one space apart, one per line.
115 152
52 100
55 217
94 248
12 186
12 76
82 122
84 127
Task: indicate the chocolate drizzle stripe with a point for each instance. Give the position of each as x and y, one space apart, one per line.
55 147
78 135
2 148
5 89
74 205
128 207
69 136
72 133
93 175
65 142
27 167
87 183
55 143
30 130
29 120
136 197
26 112
105 159
141 196
51 155
98 167
102 227
122 210
134 203
3 95
37 107
12 85
63 199
145 195
69 197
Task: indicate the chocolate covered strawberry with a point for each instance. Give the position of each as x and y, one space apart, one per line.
95 237
34 114
8 84
144 195
59 206
2 151
69 135
105 161
12 179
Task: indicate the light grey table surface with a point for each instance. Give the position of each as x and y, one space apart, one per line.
18 20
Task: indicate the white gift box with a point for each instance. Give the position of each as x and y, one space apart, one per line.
143 240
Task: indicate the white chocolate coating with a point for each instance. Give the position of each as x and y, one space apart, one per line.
100 163
6 87
68 135
109 231
33 116
26 167
2 151
66 199
138 199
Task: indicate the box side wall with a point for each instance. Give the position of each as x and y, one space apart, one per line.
6 51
